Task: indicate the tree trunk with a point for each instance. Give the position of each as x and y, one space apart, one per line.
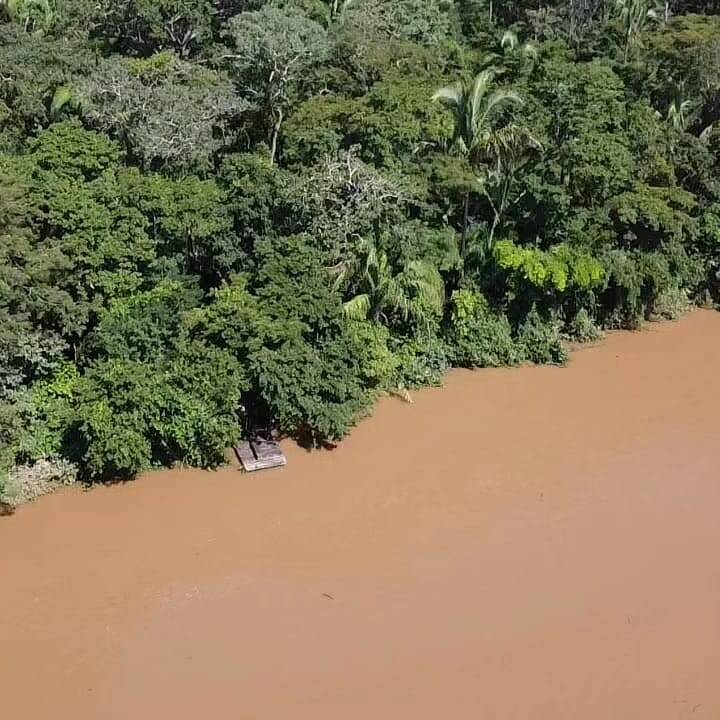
496 221
463 236
275 134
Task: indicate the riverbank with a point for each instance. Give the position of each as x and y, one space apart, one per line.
528 543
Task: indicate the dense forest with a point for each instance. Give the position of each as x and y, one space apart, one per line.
222 213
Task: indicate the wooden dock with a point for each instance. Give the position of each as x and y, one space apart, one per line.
260 455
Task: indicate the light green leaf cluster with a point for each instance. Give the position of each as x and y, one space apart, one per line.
560 268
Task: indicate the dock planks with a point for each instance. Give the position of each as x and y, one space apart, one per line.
260 455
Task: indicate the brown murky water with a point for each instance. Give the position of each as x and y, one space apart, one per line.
533 544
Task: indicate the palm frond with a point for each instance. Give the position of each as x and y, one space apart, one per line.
480 87
450 95
62 96
501 97
423 292
509 40
530 51
508 146
357 308
705 134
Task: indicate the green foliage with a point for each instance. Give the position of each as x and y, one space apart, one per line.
633 17
166 111
687 51
129 415
541 341
653 214
638 285
415 293
583 328
33 66
141 328
559 269
392 122
216 214
317 372
91 246
257 196
69 152
49 414
428 22
395 120
316 129
141 27
34 15
189 222
421 361
477 336
313 388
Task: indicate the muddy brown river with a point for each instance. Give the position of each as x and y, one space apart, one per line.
528 544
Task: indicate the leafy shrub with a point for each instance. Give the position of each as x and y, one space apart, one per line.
315 130
28 482
68 150
377 363
541 341
477 337
12 431
423 21
130 415
671 303
313 389
422 361
559 268
48 414
633 282
8 491
582 328
143 327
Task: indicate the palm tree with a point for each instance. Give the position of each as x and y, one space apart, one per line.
495 151
682 113
509 149
416 293
634 15
36 15
337 6
510 44
677 113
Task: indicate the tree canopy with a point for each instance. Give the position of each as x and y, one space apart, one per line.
216 214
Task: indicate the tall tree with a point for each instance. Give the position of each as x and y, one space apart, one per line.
477 106
634 17
167 111
274 50
506 152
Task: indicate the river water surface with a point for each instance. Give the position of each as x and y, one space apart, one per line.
527 544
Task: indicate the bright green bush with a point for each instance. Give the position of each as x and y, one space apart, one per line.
560 268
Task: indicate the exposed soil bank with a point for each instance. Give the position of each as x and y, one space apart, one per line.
533 544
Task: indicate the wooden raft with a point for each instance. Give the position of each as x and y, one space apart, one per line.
260 455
